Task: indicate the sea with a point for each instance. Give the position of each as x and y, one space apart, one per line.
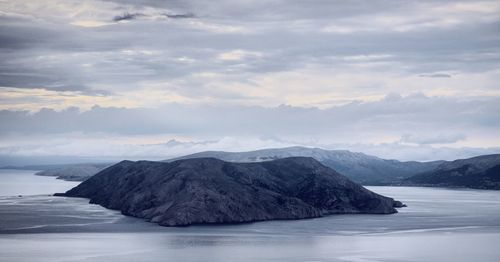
438 224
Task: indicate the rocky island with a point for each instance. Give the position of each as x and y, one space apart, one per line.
209 190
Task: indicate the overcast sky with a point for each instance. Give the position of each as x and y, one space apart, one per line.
409 80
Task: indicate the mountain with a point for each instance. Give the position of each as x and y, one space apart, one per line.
209 190
361 168
482 172
76 172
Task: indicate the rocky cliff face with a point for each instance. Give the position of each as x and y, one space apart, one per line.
208 190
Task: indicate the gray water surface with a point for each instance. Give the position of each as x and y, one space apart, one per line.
438 225
23 182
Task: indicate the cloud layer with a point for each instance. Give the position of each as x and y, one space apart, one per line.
408 126
324 73
245 52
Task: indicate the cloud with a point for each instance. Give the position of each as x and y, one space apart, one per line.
437 75
423 16
126 17
180 16
132 16
70 57
405 152
432 139
385 120
206 70
236 55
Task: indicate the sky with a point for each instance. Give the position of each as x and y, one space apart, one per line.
108 80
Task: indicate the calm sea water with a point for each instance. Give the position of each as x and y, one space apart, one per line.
23 182
437 225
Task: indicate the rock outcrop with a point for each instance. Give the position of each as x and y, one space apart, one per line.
209 190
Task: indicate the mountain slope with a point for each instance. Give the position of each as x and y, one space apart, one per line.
359 167
482 172
209 190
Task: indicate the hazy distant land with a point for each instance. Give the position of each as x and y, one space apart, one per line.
479 172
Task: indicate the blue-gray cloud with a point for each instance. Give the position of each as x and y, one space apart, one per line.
126 16
288 39
180 16
437 75
228 58
433 138
398 116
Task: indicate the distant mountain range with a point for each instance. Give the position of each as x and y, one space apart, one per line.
482 172
209 190
361 168
476 172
